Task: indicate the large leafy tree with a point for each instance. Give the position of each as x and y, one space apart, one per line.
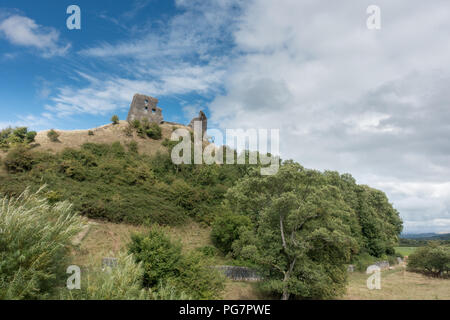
302 235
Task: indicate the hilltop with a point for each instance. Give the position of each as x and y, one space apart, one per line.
104 134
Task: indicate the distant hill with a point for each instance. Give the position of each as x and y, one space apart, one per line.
426 236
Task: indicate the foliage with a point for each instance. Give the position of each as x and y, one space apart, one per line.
154 131
227 228
123 282
158 255
18 159
135 124
53 135
163 262
300 241
13 137
433 259
90 133
115 119
34 241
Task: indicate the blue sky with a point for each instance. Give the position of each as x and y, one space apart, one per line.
374 103
36 82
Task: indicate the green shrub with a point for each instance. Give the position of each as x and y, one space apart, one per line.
34 241
154 131
115 119
15 136
90 133
198 278
123 282
30 136
363 260
135 124
53 135
158 255
433 259
163 262
21 133
208 251
226 229
19 159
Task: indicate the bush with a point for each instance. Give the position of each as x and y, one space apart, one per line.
163 262
198 278
90 133
35 239
226 229
115 119
158 255
433 259
15 136
135 124
154 131
123 282
19 159
53 135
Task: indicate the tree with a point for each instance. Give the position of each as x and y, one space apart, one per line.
227 228
299 240
115 119
433 258
53 135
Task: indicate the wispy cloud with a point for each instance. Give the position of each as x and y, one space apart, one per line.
178 58
23 31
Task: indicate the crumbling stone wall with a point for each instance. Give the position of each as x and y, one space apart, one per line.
145 107
239 273
201 117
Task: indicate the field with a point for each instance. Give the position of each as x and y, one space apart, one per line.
405 251
106 239
398 284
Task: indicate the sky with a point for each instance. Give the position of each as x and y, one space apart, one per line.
373 103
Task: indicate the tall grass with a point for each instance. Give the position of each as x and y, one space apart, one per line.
123 282
34 245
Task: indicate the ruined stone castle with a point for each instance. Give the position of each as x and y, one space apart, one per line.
145 107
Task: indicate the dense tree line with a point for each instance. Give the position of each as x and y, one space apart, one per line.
305 227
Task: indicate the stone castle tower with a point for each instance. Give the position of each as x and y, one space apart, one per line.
144 107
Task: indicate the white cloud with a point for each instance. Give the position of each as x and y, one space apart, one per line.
373 103
23 31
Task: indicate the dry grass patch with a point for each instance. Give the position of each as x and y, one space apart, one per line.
238 290
105 239
398 284
105 134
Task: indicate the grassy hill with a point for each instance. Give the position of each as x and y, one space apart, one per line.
104 134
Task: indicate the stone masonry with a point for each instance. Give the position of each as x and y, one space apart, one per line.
145 107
